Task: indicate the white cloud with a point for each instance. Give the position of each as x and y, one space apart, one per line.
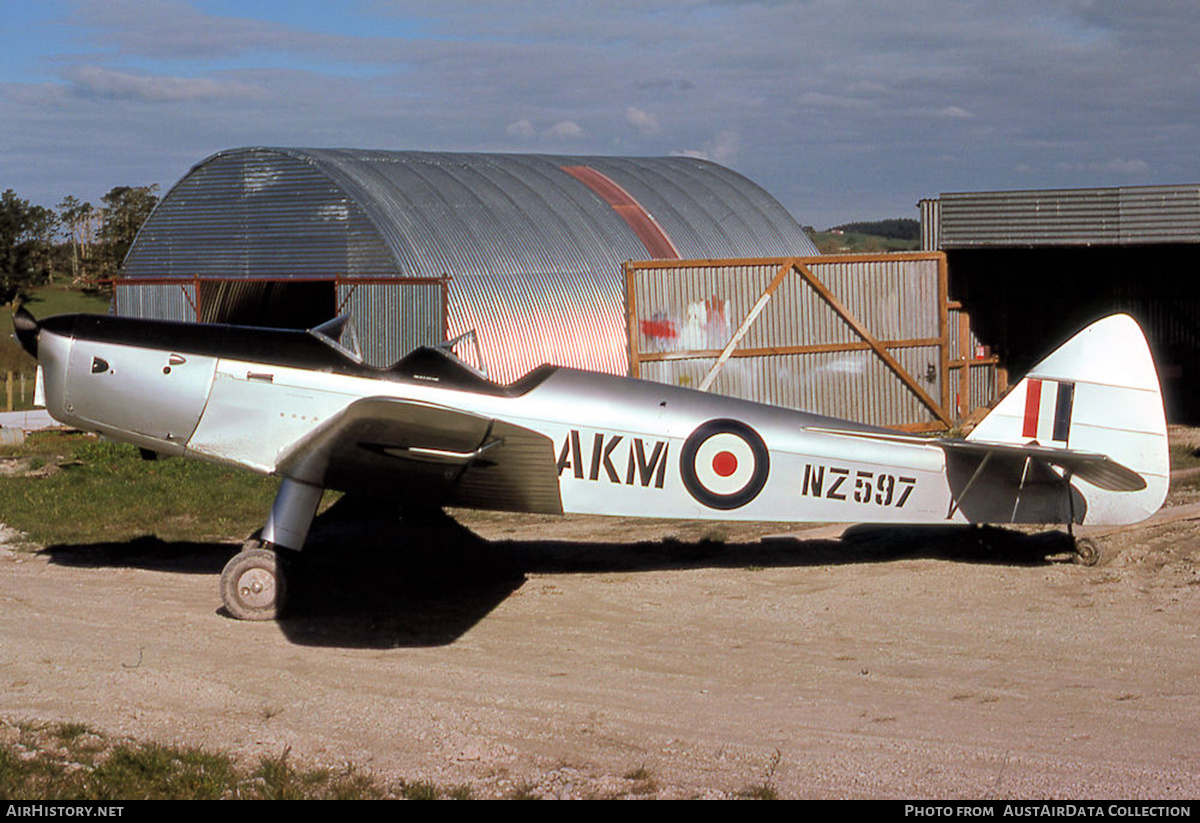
956 112
723 149
645 122
35 94
522 129
568 129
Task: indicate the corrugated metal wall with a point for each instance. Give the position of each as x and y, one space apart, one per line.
802 352
931 224
162 301
954 336
853 385
1069 217
897 299
257 214
524 320
393 318
1160 214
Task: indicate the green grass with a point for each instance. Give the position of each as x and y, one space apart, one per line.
70 762
643 781
154 772
421 791
855 243
68 732
759 791
766 789
523 791
49 300
276 779
99 492
42 302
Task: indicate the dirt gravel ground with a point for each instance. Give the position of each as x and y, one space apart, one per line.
591 657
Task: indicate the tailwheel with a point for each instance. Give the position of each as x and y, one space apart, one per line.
253 585
1087 551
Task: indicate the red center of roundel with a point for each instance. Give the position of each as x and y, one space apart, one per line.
724 463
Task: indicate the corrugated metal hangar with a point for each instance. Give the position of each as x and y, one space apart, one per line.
1033 267
524 250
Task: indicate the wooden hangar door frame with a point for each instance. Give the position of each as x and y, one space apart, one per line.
867 337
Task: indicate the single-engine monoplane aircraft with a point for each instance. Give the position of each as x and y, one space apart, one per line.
1080 440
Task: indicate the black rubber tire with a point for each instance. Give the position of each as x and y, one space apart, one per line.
1088 552
253 585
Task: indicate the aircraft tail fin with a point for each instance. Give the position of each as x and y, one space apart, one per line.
1097 393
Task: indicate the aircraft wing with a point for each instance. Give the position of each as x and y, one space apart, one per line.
427 454
1098 469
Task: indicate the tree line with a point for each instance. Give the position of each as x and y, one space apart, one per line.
76 242
898 228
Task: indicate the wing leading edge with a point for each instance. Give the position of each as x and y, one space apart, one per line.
428 454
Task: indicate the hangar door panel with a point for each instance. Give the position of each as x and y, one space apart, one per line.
394 316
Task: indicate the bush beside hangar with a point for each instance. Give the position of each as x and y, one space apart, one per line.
524 250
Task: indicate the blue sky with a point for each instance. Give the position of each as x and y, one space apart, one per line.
842 110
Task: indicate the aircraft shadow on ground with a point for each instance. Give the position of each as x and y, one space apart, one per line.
366 581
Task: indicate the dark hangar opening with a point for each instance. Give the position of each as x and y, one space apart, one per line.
1025 302
294 304
1034 267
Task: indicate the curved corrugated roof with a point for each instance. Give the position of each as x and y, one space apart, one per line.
532 247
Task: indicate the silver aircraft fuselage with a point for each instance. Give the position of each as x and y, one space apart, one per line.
1082 439
612 445
591 443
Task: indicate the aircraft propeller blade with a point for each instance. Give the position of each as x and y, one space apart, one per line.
26 327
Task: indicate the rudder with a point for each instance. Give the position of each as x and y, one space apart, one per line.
1098 392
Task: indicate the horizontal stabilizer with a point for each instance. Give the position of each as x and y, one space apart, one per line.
1098 469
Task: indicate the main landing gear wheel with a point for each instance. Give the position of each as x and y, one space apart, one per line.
1087 551
253 585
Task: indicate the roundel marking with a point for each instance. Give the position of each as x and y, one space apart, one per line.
724 464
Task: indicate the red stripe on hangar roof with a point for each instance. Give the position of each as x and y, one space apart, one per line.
631 211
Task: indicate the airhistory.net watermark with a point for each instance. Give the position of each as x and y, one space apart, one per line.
61 810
